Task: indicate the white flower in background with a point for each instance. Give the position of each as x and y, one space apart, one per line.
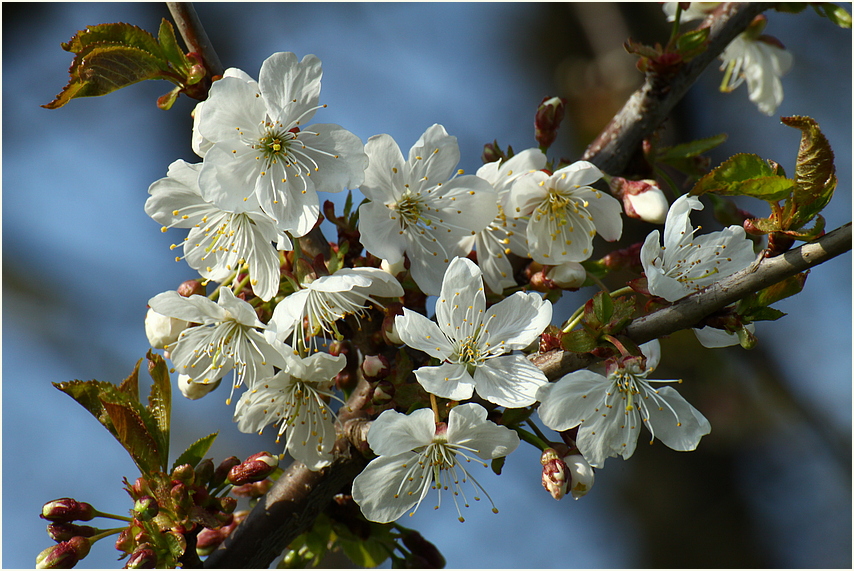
713 338
609 409
162 330
416 207
504 234
642 199
471 340
565 213
314 309
296 400
260 143
219 241
415 454
227 338
761 61
688 263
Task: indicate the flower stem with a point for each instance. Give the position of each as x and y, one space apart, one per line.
674 31
112 516
578 315
531 439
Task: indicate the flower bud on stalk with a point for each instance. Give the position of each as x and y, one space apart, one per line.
221 473
253 490
642 199
569 275
254 469
162 331
143 557
191 287
492 152
555 478
375 367
63 531
68 509
547 120
63 555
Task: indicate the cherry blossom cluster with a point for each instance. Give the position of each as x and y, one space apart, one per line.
427 228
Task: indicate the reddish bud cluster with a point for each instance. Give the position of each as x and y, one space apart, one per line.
548 119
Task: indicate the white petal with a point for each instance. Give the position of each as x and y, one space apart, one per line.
468 426
338 154
571 400
435 155
674 421
461 302
384 491
290 89
715 338
231 107
240 310
516 321
448 381
381 234
198 309
607 214
384 175
511 381
420 333
395 433
582 173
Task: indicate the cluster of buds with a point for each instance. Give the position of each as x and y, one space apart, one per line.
566 471
73 541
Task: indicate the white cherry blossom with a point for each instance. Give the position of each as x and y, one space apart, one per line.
688 263
471 341
505 234
314 309
255 141
415 455
219 241
226 338
609 409
565 213
296 400
761 62
418 208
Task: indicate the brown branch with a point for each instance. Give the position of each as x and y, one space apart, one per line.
191 29
690 310
652 103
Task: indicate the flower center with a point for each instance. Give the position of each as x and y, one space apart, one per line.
274 145
626 383
469 353
558 205
409 207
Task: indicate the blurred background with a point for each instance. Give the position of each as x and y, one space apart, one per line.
769 487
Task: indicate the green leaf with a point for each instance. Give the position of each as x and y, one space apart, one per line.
835 13
579 341
133 433
603 307
624 310
160 403
170 48
106 68
765 314
196 451
748 175
790 286
87 394
371 552
130 385
118 33
815 174
690 44
691 149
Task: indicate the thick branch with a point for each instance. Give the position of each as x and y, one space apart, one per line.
690 310
194 35
649 106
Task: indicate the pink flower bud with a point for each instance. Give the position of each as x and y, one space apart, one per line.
642 199
221 473
254 469
375 367
383 392
63 531
143 557
63 555
191 287
547 120
67 509
555 478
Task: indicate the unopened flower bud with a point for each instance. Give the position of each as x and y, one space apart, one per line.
208 540
569 275
145 508
547 120
143 557
125 541
581 475
555 477
184 473
642 199
161 330
375 367
204 472
63 555
63 531
67 509
193 390
253 469
624 258
383 392
191 287
221 473
492 152
227 505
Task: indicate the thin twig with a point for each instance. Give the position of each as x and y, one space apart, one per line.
191 29
655 99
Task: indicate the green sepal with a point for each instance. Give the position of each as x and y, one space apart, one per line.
693 43
516 416
175 544
815 174
746 175
766 314
497 465
196 451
